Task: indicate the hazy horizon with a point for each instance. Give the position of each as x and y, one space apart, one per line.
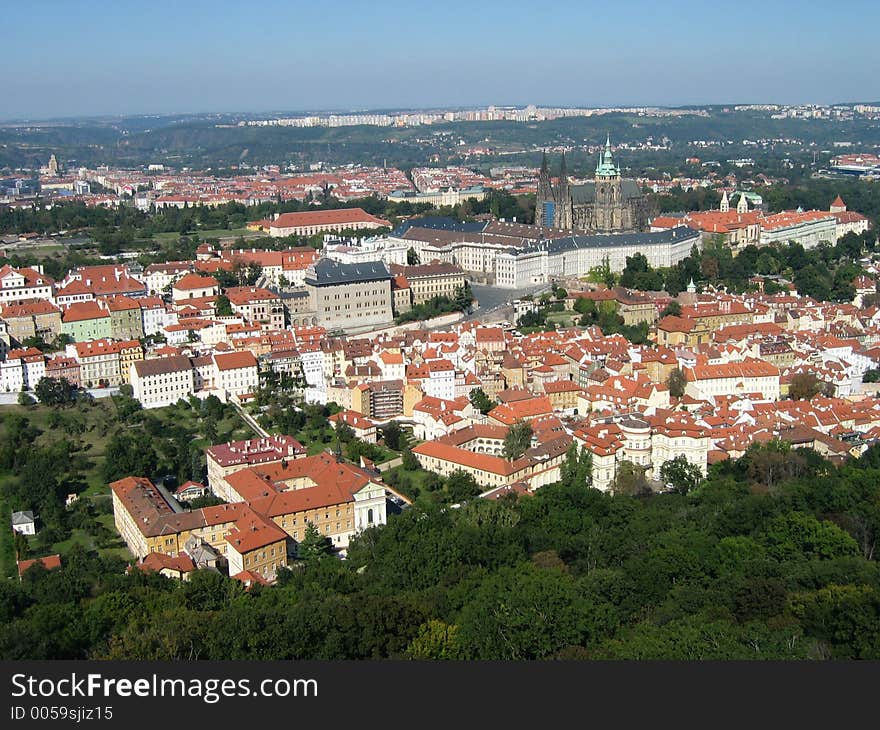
276 113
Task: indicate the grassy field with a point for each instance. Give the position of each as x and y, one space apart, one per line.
41 251
208 233
566 318
97 423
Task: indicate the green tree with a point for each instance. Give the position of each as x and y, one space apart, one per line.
223 306
463 297
409 461
344 432
681 475
845 617
676 382
517 440
804 386
392 435
129 453
798 534
435 640
529 613
461 485
585 305
412 258
55 391
629 479
481 401
314 546
671 309
577 468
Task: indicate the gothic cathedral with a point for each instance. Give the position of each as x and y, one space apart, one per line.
608 204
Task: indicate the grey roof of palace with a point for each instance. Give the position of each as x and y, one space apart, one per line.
610 240
327 272
440 223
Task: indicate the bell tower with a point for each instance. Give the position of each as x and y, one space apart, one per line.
608 194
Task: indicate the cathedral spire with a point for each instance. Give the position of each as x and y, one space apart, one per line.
544 168
563 174
606 165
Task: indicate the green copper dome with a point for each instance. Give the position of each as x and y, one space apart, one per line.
606 165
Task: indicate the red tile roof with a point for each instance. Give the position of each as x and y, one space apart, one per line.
235 360
83 311
50 562
326 218
194 281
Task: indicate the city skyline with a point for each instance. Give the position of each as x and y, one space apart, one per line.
168 59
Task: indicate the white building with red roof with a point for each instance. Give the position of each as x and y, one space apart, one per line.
22 369
193 286
706 381
24 283
310 223
236 373
363 428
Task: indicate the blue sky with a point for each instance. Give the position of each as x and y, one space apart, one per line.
95 58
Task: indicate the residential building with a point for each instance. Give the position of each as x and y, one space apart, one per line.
86 320
99 362
24 283
126 318
236 373
31 318
257 306
431 280
162 381
194 286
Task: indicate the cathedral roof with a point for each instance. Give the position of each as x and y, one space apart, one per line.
586 192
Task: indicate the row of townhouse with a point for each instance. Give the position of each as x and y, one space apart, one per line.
92 364
161 381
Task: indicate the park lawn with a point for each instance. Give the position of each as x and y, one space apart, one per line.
99 424
165 237
45 251
77 537
207 233
227 233
316 447
385 454
566 318
95 437
419 477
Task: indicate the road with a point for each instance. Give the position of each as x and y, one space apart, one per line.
495 304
